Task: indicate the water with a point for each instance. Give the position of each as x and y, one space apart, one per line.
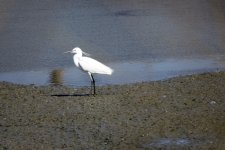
140 40
125 72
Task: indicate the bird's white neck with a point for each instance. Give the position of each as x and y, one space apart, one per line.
76 58
78 55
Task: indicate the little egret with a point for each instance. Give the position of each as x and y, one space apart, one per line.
89 65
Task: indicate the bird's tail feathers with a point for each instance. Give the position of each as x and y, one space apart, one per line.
111 71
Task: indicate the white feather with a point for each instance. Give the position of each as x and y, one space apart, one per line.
89 65
93 66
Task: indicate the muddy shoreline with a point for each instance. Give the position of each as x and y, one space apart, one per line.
179 113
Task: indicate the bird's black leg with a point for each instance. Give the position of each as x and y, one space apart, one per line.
93 82
91 87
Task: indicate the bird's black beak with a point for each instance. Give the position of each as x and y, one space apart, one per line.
68 52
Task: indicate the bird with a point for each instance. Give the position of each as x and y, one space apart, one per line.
89 65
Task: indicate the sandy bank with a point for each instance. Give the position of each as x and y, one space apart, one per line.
185 112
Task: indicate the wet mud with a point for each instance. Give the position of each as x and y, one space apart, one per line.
179 113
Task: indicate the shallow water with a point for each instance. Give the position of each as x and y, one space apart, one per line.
124 72
140 40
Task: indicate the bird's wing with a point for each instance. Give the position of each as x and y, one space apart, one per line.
94 66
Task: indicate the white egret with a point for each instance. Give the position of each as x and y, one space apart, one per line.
89 65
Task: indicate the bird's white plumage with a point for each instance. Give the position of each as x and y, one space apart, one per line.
88 64
91 65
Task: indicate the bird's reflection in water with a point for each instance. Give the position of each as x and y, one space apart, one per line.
56 77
